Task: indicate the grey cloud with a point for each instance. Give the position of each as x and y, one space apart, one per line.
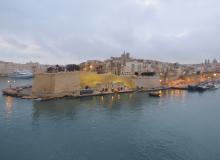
70 31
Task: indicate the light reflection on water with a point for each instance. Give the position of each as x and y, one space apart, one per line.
111 102
9 104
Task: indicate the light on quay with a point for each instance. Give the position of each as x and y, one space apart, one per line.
214 74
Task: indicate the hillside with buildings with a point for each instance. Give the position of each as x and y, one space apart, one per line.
122 65
126 65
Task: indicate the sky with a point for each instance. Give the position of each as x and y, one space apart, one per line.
72 31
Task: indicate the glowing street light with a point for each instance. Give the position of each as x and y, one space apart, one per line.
10 83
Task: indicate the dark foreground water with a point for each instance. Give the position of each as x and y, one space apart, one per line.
178 126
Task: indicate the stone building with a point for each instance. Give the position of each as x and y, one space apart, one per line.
92 66
134 66
114 64
9 67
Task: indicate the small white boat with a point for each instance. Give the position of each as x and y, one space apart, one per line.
214 86
21 74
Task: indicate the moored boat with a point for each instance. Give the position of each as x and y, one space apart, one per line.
216 86
21 74
213 86
192 88
202 88
86 91
154 94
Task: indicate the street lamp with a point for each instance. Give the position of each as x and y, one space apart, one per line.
10 83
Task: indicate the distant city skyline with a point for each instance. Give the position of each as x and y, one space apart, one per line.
205 61
65 32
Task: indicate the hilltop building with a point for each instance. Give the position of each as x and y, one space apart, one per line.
114 64
92 66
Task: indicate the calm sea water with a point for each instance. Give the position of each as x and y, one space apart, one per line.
178 126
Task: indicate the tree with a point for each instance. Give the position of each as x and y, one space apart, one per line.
198 72
60 69
50 70
136 73
72 67
148 74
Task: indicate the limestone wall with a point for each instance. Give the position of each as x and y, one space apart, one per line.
67 82
147 82
92 79
43 84
56 84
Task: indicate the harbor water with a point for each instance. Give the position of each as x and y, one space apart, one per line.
179 125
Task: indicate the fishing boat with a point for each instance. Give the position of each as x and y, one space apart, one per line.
21 74
154 94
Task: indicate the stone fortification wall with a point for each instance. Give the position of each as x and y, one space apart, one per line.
56 84
147 82
70 83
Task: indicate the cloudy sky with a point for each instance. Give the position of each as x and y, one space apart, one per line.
71 31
